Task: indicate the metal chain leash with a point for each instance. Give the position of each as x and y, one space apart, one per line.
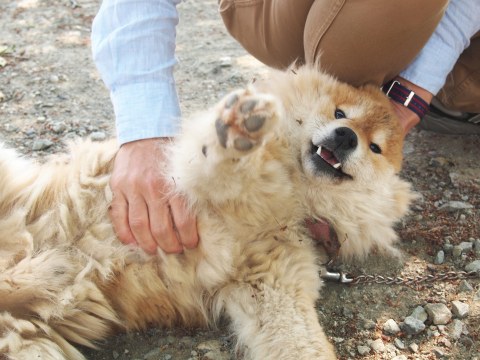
398 280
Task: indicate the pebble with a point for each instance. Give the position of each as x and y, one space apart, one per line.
438 313
473 266
455 329
400 357
41 144
98 136
391 327
465 246
420 314
59 127
439 258
153 354
399 344
448 248
369 324
439 353
363 350
209 345
412 326
453 206
460 309
377 346
413 347
465 286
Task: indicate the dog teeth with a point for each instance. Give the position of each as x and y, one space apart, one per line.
337 165
319 151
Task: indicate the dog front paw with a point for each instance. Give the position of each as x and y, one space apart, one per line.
245 118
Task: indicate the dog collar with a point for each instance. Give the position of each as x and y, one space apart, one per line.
403 95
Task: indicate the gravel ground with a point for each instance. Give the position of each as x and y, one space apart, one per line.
50 93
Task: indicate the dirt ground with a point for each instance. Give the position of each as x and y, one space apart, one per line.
50 92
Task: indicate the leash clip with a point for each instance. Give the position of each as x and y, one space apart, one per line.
338 277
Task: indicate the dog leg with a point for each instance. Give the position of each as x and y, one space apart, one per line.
226 148
277 323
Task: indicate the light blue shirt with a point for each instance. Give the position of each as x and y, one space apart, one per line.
452 36
133 44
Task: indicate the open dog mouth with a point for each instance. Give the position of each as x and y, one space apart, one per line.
326 162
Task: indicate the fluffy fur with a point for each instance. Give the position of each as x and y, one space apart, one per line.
251 172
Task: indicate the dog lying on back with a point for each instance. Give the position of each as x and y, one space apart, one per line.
299 145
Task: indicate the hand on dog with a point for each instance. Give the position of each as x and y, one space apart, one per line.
141 211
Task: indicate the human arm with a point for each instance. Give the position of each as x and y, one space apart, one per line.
133 45
427 74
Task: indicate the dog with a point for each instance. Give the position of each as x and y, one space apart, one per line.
299 145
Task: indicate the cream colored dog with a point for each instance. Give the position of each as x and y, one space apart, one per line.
297 146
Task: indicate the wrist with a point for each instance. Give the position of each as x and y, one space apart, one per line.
410 102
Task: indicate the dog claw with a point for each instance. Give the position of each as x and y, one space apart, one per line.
337 165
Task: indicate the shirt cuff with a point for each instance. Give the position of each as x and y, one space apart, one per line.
146 110
427 71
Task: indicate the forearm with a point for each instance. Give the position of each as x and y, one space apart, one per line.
431 67
133 45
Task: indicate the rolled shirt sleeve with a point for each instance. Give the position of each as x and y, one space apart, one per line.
133 46
436 60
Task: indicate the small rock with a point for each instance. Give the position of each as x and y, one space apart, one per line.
412 326
391 327
466 246
455 329
59 127
399 344
153 354
215 355
369 324
420 314
378 346
400 357
209 345
453 206
460 309
41 144
439 353
439 258
465 286
473 266
226 61
448 248
438 313
363 350
413 347
98 136
115 354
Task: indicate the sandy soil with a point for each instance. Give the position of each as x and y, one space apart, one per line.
50 92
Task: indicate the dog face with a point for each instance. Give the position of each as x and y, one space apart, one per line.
347 135
355 139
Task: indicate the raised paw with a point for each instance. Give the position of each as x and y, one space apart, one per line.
245 118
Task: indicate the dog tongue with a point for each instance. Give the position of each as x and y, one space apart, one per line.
328 156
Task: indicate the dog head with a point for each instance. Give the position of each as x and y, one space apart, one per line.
349 143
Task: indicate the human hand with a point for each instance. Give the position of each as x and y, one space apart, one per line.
142 211
408 119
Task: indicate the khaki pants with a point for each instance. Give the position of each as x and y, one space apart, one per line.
358 41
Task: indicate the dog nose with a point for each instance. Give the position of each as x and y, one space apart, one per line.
345 138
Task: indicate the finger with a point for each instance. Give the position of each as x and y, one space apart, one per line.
185 222
118 213
139 224
162 227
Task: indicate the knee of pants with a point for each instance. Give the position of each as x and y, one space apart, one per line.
369 41
270 30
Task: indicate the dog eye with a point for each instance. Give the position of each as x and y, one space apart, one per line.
339 114
375 148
